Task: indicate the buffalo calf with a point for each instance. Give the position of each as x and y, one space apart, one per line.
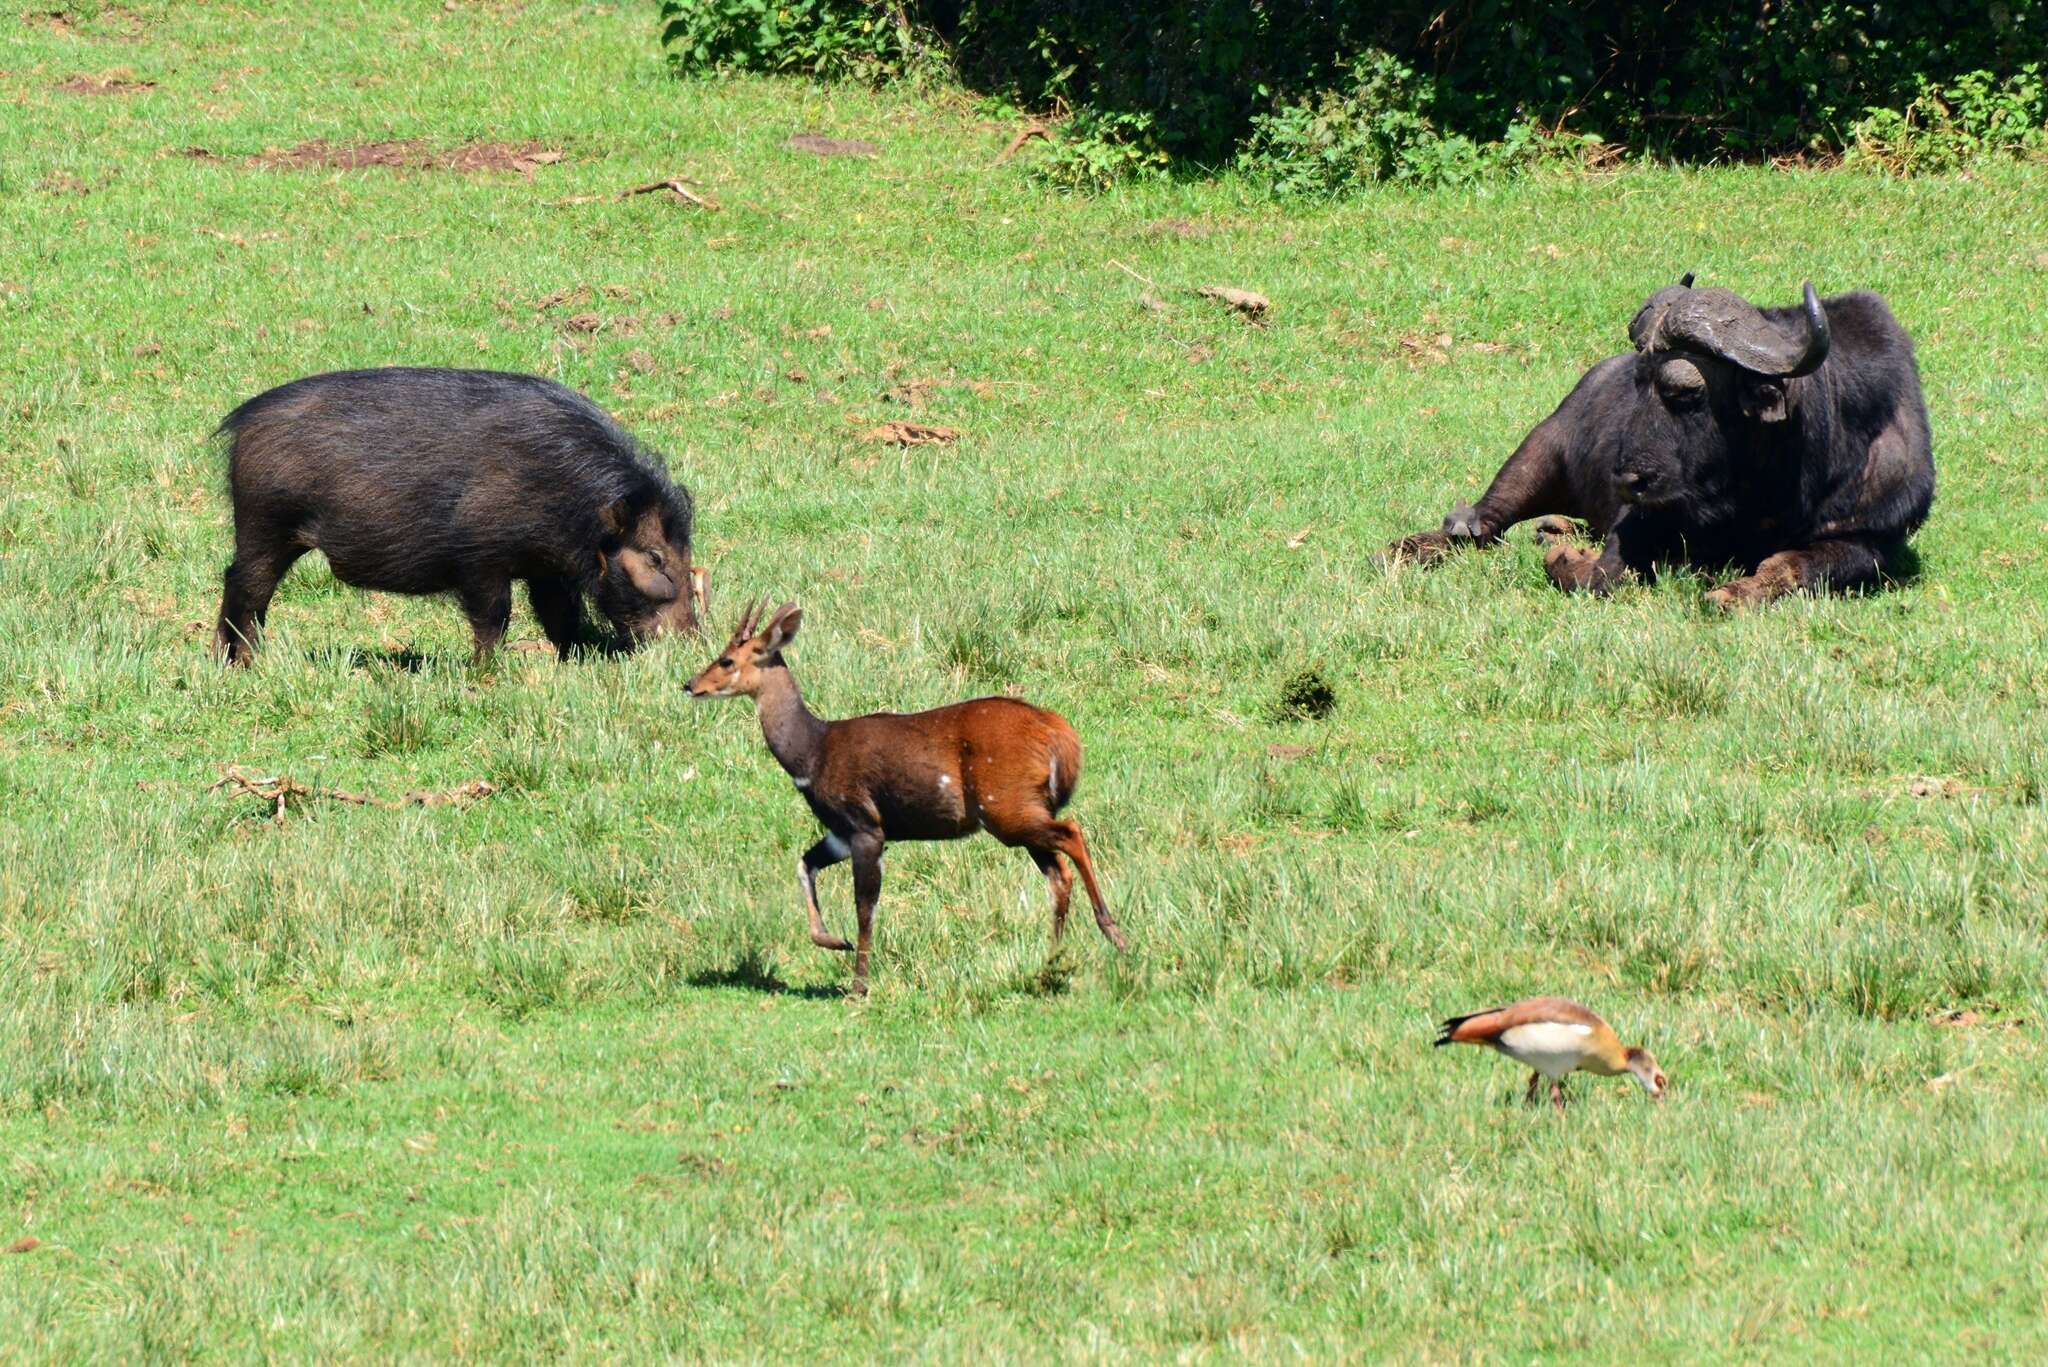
454 481
1791 443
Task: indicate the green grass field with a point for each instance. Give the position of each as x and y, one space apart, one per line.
559 1073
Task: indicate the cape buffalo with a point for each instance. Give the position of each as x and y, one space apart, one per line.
1791 442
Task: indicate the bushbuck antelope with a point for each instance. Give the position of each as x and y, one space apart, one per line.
993 764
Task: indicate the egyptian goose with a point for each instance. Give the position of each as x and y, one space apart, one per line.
1555 1037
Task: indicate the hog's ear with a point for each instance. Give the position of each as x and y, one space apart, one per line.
1764 400
616 516
782 627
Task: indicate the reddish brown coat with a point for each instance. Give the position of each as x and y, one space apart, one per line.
994 764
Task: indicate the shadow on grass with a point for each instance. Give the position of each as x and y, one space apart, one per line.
753 973
405 658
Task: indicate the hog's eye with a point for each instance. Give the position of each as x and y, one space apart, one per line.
655 556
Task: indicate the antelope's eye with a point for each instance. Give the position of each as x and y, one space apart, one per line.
725 662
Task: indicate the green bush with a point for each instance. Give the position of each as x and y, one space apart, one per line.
835 39
1447 89
1095 150
1945 127
1691 81
1380 125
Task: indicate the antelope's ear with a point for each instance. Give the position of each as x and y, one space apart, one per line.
782 627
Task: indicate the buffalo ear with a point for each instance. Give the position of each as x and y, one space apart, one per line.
1764 401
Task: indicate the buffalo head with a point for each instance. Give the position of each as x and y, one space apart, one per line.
1709 369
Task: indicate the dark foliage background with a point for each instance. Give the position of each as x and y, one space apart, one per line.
1696 81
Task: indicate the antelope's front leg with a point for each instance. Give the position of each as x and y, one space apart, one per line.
823 855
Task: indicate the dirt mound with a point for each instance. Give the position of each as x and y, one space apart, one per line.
411 154
107 83
819 145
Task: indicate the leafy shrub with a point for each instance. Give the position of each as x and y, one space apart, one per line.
1096 150
836 39
1379 125
1945 127
1305 696
1375 127
1198 81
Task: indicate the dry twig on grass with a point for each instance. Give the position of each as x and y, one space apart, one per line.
1142 279
277 789
677 185
1029 131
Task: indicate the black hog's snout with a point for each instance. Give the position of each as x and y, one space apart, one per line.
436 481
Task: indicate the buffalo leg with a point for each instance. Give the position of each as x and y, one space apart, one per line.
247 588
823 855
867 890
1531 483
488 605
1580 569
1805 569
558 603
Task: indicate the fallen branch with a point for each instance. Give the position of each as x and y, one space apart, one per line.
912 434
677 185
1251 307
1030 131
277 789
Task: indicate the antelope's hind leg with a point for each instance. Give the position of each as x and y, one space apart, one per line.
1065 836
867 890
1062 884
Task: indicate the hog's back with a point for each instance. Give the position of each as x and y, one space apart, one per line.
408 479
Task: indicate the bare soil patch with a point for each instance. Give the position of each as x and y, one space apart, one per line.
410 154
105 83
819 145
